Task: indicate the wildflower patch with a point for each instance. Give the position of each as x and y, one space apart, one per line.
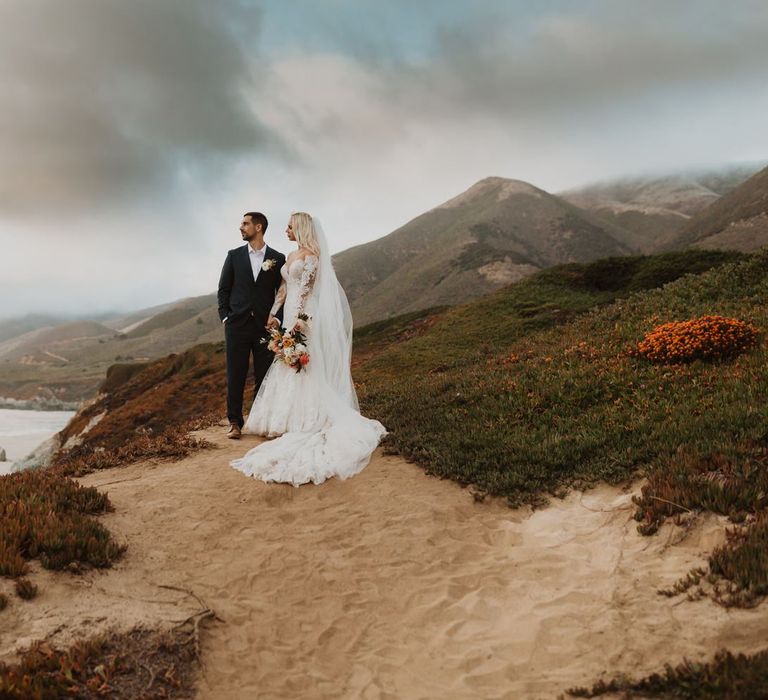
703 338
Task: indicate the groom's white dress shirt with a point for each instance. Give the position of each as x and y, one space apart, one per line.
257 259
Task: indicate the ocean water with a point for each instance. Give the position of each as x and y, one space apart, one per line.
22 431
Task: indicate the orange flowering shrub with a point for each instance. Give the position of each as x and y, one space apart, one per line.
703 338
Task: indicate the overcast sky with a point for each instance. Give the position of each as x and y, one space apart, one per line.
134 133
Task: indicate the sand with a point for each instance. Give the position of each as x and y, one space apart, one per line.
392 584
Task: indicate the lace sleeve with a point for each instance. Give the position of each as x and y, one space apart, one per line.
279 298
308 275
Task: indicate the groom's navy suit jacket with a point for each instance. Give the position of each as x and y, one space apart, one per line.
239 296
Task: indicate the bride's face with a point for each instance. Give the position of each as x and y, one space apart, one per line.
289 232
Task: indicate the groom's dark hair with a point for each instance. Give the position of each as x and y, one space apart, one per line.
258 218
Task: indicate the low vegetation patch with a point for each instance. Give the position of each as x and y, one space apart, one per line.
174 443
531 391
142 663
144 411
370 339
727 677
25 589
732 483
48 517
743 563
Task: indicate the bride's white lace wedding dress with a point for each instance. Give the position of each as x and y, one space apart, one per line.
320 433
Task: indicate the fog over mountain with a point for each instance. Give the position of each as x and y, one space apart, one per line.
738 220
135 135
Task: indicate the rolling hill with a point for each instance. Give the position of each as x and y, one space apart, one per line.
651 211
63 364
14 327
738 220
43 343
127 322
495 233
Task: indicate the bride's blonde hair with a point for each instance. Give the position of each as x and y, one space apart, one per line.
304 230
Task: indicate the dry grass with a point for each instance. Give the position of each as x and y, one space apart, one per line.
175 443
148 411
727 677
138 665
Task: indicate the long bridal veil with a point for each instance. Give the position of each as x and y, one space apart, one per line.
331 325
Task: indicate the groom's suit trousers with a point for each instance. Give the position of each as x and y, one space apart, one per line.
243 342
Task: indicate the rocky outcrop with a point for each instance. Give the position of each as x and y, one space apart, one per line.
40 457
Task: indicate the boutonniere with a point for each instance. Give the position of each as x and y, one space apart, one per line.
268 264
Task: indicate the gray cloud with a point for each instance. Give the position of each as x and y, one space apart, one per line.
107 100
585 57
153 124
557 95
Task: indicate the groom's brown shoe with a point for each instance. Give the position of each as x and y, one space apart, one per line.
234 432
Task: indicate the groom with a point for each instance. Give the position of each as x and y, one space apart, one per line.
249 281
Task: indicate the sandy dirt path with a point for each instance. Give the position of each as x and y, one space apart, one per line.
391 584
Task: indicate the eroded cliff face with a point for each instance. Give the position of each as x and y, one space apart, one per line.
145 409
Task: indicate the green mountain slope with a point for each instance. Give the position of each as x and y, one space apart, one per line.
738 221
495 233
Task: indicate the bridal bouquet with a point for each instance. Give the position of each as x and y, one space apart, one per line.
290 346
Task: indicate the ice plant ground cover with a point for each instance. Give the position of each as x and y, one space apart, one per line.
49 517
139 663
146 410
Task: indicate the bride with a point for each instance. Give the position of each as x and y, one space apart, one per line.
312 413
